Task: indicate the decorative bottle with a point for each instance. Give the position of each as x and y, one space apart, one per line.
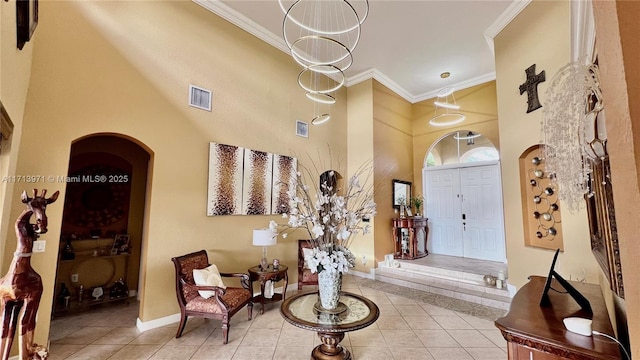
68 253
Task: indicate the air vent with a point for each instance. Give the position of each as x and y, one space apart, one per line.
199 98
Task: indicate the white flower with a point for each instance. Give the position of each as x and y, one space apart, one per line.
284 235
273 225
317 231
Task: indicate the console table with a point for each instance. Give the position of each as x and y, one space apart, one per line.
299 311
410 237
538 333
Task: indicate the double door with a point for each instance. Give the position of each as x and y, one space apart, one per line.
464 207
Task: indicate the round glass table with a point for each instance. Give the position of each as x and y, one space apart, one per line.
300 310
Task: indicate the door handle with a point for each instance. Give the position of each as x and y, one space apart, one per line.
464 216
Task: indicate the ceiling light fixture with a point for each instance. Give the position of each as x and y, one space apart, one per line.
470 137
446 101
321 36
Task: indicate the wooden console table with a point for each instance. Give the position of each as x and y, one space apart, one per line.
538 333
410 237
275 275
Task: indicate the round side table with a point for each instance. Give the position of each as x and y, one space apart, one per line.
258 274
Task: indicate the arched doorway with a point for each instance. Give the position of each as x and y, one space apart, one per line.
102 225
464 197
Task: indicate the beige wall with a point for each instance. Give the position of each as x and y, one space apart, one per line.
15 72
125 68
477 103
392 138
539 35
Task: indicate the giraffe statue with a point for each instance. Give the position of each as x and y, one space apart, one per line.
22 286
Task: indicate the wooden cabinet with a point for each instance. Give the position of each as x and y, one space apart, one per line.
410 237
533 332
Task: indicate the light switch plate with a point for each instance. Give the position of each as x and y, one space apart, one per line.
38 245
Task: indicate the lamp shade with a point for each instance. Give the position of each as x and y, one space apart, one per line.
264 237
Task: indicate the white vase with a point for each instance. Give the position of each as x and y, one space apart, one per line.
329 285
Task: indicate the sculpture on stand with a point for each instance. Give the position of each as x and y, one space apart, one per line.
22 285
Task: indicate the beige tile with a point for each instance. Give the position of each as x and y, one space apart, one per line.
471 338
451 322
95 352
260 337
400 300
59 332
451 354
421 322
86 335
366 337
291 335
487 353
437 310
388 309
155 336
385 322
410 310
495 336
478 323
400 338
195 336
119 335
436 338
289 352
371 353
136 352
411 353
254 352
378 299
215 352
59 352
177 352
269 320
235 337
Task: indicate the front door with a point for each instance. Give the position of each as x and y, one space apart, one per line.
464 207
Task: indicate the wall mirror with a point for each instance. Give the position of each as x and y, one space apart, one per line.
401 193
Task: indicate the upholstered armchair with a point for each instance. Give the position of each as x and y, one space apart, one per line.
305 276
208 301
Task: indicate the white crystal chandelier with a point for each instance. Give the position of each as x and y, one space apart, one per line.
321 36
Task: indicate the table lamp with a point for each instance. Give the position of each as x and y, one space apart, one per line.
264 238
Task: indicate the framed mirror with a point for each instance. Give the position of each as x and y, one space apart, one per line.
401 193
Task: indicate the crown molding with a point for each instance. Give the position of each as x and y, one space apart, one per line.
382 79
583 32
503 20
244 23
458 86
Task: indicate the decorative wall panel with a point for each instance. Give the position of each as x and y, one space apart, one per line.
225 179
284 179
257 182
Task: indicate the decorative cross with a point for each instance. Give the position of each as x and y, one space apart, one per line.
531 87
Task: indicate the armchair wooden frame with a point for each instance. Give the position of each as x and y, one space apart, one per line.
222 305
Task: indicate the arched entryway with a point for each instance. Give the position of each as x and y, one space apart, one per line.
464 198
103 221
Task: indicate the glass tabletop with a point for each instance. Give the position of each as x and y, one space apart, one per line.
300 310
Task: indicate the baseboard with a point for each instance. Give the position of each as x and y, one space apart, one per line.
156 323
371 275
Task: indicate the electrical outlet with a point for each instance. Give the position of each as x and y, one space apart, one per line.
38 245
364 259
74 278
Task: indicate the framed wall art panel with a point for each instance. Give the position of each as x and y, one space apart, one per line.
257 182
284 180
224 195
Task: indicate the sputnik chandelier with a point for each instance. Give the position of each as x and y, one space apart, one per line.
445 113
321 36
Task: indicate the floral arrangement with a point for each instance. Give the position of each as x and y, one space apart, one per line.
331 217
417 201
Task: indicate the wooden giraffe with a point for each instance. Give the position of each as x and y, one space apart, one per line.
22 286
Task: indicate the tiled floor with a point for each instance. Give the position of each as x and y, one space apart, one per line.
467 265
412 325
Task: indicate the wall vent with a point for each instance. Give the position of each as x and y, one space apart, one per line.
199 98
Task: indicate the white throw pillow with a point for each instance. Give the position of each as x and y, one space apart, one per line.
209 276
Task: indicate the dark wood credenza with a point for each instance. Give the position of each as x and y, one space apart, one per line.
410 236
538 333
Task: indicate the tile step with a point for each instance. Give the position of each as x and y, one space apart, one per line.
457 288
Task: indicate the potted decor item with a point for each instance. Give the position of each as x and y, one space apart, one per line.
417 202
331 217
